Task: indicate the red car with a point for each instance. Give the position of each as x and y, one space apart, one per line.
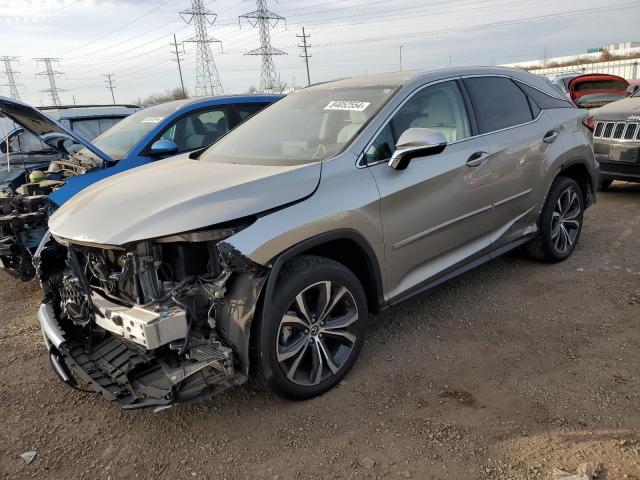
596 89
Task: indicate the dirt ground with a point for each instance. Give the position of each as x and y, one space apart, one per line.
504 373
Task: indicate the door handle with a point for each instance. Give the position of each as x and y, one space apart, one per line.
477 159
550 136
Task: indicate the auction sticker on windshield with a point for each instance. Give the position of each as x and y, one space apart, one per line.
346 105
152 120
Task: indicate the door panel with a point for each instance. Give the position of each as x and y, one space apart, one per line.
506 116
518 166
435 213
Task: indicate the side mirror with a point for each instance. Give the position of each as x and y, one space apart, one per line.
161 148
631 89
417 142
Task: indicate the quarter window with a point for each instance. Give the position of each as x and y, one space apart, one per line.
543 100
498 103
438 107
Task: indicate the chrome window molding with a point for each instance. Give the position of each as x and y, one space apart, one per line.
360 161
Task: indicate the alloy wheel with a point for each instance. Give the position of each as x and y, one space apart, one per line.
317 333
565 221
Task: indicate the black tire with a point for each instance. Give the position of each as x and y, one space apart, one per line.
552 245
603 185
307 276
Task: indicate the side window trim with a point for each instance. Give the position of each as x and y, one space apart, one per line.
471 113
360 163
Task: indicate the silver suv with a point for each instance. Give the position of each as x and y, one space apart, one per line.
264 255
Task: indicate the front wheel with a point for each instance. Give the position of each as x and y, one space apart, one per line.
560 221
315 327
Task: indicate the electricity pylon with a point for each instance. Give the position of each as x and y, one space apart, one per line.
207 79
51 74
10 73
265 20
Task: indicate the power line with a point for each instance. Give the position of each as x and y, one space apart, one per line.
110 85
178 55
265 19
207 79
305 55
10 73
485 25
118 29
51 74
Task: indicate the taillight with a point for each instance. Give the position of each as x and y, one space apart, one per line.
589 122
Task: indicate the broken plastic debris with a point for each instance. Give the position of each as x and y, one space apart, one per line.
28 456
586 471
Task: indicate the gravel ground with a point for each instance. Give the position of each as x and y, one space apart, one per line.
504 373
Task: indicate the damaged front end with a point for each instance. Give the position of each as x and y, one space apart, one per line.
150 324
24 213
23 222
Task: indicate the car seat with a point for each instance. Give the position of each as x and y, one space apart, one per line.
357 119
438 116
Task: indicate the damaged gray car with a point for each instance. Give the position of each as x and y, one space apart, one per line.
264 255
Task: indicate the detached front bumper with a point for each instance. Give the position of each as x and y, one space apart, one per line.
135 378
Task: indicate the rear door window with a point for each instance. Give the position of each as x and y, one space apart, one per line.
498 103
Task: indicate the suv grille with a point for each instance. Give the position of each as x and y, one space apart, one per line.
617 131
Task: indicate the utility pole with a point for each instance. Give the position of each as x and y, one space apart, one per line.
400 57
305 55
110 85
265 20
51 74
207 79
10 73
178 54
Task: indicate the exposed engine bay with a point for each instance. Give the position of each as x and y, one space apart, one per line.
153 323
24 212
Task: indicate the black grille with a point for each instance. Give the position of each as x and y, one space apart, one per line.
599 129
630 132
608 130
617 133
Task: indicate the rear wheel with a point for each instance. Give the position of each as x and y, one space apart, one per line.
560 221
315 328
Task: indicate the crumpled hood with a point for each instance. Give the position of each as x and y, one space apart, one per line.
175 196
627 110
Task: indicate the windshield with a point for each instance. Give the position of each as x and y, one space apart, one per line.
119 140
304 127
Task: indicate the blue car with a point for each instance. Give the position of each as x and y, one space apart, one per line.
30 186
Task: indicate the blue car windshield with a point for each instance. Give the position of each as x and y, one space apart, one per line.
307 126
119 140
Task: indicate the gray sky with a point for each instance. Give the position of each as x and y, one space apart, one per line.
130 38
